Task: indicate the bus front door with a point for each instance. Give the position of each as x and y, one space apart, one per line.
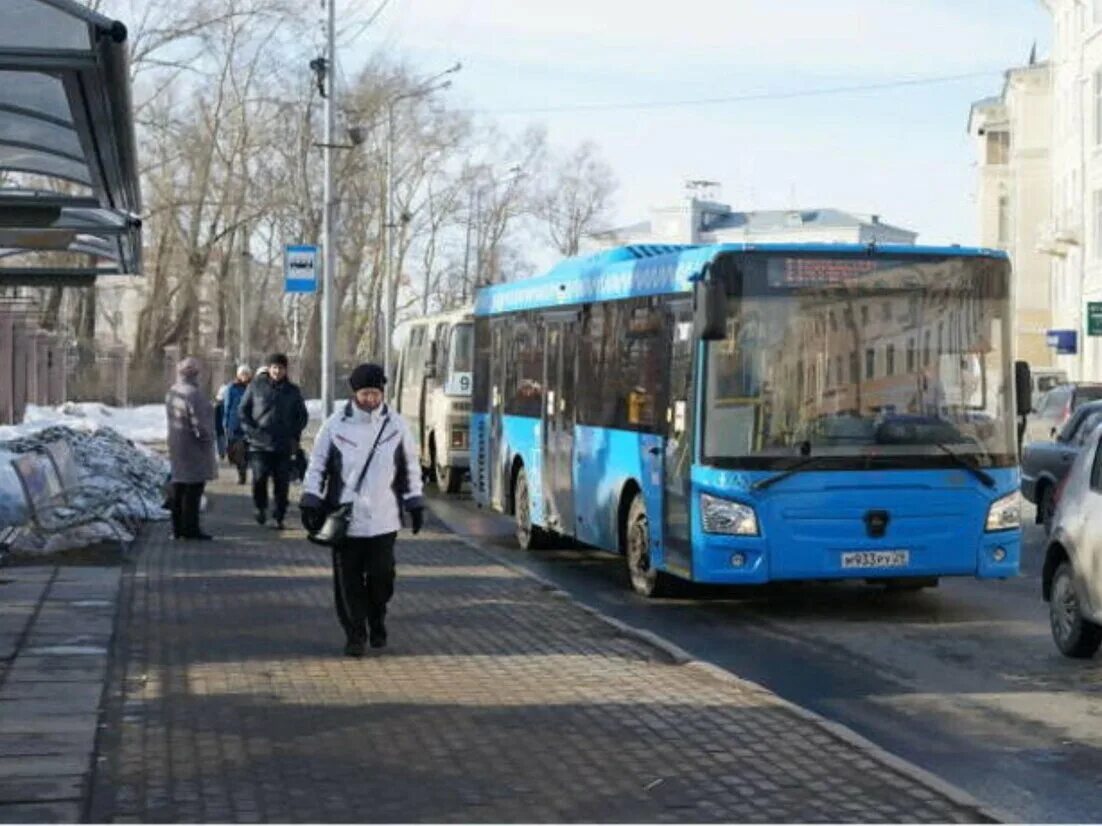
558 424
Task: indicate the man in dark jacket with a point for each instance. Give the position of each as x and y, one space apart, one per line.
273 416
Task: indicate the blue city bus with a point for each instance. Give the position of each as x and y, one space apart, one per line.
747 413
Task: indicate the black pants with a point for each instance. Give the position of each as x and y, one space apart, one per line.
277 467
185 508
363 583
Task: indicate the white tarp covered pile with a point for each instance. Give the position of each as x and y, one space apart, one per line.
105 458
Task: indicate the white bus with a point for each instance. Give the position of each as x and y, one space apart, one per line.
433 393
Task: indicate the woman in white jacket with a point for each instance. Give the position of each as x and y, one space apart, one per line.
365 432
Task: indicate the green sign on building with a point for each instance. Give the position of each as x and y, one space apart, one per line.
1094 318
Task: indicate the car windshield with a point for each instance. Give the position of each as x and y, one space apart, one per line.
861 361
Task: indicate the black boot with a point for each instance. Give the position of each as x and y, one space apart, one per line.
354 648
378 637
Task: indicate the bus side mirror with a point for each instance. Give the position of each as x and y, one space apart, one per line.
1023 388
710 310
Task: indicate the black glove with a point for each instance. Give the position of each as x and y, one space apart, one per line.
416 518
312 511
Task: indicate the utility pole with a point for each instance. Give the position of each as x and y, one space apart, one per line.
244 276
329 229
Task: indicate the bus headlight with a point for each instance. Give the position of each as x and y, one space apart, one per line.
1006 513
724 516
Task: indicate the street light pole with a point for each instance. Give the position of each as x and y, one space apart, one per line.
390 292
244 273
328 273
390 286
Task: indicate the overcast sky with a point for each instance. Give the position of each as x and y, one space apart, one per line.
901 152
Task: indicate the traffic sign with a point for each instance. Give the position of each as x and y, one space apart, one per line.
300 268
1094 318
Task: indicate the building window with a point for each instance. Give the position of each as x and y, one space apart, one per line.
1004 220
910 355
870 363
1097 107
889 360
864 315
854 368
998 148
839 379
926 349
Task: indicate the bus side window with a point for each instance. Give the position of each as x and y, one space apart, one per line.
443 339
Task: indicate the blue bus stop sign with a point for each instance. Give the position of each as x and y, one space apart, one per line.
300 268
1064 341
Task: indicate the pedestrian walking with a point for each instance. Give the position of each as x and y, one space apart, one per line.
219 419
272 415
364 455
190 448
237 450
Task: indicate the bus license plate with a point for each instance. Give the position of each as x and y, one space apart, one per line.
876 559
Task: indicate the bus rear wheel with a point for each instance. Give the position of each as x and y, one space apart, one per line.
529 537
645 580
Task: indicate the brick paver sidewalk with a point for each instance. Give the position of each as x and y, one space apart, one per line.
497 700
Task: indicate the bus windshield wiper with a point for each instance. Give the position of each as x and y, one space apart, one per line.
762 484
985 477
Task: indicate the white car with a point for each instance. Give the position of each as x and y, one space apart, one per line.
1071 582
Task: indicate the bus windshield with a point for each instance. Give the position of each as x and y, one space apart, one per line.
862 362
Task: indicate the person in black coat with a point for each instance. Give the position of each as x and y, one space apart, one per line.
273 416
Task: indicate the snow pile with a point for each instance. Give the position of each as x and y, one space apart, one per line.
146 424
314 408
105 460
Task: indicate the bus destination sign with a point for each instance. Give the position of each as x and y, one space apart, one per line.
811 272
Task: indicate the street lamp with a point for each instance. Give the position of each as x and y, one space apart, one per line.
426 87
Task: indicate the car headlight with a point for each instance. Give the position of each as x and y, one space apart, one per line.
724 516
1005 513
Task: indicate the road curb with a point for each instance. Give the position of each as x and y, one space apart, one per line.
682 657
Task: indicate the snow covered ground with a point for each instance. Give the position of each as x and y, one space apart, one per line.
110 449
144 424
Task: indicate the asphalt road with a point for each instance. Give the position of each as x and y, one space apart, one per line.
962 680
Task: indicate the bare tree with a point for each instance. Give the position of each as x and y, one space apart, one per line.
576 197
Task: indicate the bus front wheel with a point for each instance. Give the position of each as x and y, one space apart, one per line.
646 580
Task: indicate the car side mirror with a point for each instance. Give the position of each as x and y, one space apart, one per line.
1023 388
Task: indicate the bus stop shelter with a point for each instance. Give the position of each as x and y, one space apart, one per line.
70 199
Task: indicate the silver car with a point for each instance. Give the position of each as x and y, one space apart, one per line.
1071 582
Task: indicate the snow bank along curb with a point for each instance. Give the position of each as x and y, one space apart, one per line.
683 658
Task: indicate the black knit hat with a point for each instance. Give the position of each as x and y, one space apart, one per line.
367 375
277 358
